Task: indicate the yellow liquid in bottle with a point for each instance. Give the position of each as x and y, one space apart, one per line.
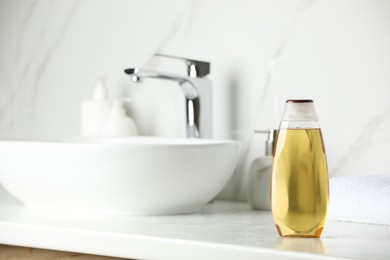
299 193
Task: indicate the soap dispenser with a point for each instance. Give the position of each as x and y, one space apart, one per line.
260 175
94 112
118 123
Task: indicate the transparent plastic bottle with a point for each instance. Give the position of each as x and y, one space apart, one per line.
299 184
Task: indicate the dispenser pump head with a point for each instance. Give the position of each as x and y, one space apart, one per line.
100 91
270 143
117 108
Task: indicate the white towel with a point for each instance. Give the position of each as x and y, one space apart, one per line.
364 199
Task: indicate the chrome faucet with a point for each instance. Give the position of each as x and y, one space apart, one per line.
197 92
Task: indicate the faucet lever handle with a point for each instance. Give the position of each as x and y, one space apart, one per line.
195 68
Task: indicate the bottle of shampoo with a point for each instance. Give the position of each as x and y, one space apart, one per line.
299 189
94 112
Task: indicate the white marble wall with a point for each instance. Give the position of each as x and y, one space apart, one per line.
262 53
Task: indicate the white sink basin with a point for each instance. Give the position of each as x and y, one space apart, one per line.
134 176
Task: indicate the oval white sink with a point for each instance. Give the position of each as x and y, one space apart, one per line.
135 176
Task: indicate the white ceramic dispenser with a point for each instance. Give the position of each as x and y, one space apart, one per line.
94 112
118 123
259 192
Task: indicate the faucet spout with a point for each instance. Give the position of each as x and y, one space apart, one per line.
197 93
138 75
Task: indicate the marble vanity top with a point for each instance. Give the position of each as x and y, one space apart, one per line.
221 230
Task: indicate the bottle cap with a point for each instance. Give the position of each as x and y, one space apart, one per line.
300 110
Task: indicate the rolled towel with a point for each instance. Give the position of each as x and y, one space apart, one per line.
364 199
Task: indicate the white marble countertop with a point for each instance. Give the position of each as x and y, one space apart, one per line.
222 230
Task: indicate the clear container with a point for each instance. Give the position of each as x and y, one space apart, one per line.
299 184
